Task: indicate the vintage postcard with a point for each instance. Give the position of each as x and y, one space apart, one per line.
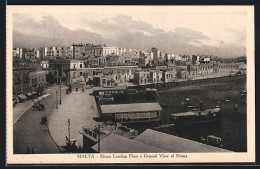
130 84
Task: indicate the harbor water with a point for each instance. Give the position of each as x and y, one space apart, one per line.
232 125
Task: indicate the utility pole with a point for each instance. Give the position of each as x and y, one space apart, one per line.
60 77
56 99
60 90
98 138
69 129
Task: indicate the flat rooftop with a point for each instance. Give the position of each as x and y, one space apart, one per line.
119 144
174 144
134 107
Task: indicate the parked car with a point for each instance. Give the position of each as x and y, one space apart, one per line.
212 140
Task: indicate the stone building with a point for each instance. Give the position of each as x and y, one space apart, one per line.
21 80
37 82
142 77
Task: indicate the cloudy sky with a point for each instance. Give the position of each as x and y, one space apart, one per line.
173 30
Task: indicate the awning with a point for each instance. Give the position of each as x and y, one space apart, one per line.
21 96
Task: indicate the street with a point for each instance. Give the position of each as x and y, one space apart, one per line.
28 134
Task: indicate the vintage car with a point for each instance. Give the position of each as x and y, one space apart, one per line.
38 106
212 140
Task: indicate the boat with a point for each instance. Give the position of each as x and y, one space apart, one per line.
243 93
236 107
196 116
186 102
151 90
193 107
165 105
227 100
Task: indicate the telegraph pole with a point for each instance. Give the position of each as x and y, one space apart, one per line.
60 90
60 78
69 129
56 99
98 138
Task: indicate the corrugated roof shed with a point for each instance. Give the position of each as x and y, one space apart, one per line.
135 107
174 144
119 144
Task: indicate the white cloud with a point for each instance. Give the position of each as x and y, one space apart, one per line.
217 25
208 26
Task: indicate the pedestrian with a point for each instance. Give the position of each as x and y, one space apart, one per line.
32 150
80 149
28 150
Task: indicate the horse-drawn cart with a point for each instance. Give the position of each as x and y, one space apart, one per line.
38 106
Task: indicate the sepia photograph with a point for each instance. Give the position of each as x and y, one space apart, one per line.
130 84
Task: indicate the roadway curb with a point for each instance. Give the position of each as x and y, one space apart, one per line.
26 110
61 149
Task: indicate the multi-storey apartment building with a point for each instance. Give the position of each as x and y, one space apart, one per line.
169 76
120 51
77 71
109 51
195 59
31 54
19 53
142 77
200 70
145 58
156 76
59 69
60 52
49 52
79 51
37 81
158 56
181 72
93 50
69 51
21 80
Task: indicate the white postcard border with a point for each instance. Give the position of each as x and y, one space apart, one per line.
249 156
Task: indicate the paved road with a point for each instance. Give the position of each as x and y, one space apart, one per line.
21 108
29 135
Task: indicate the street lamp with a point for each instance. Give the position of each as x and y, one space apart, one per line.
56 99
60 90
60 80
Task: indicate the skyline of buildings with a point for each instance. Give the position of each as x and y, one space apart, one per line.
83 51
105 66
